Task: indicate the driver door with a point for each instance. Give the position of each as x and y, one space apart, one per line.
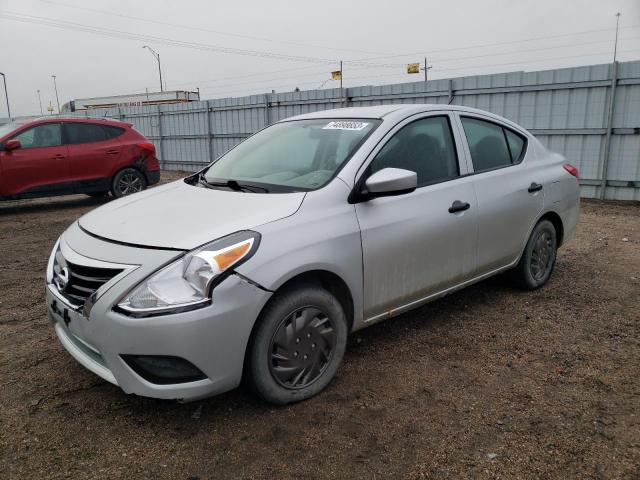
40 166
413 247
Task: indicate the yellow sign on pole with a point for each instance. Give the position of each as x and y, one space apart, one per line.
413 68
50 108
336 75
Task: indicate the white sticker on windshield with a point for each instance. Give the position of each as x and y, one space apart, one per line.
345 125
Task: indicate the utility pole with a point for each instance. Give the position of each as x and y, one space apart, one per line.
342 96
55 87
40 102
6 95
156 55
425 68
615 47
609 124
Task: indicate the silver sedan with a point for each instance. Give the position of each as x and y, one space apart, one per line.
260 265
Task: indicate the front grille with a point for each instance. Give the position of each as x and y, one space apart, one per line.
77 282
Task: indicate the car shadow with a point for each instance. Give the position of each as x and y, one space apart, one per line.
242 401
9 207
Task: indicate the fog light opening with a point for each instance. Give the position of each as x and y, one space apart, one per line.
164 370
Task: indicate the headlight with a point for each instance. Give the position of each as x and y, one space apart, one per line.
187 282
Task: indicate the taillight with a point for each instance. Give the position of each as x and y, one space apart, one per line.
571 169
148 146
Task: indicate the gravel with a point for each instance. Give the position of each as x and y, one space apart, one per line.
490 382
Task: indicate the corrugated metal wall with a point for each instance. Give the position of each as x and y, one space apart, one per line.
567 109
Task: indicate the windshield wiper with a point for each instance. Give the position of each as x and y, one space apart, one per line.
233 185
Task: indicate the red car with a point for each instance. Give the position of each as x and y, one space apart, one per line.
60 156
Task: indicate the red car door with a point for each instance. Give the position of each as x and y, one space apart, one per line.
40 166
93 155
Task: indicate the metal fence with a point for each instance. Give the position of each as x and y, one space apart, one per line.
590 114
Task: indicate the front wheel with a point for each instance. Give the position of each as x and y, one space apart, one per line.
128 181
298 345
539 257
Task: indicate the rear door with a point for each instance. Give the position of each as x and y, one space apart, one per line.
94 151
40 166
510 196
416 245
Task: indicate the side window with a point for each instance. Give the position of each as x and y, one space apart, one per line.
112 132
425 146
491 145
47 135
84 133
516 145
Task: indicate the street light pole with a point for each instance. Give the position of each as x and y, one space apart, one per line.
55 87
615 47
40 102
6 95
156 55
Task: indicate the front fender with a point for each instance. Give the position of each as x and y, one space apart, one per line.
323 235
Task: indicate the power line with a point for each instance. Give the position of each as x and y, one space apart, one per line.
151 38
438 70
200 29
485 45
63 24
534 61
356 64
517 52
439 61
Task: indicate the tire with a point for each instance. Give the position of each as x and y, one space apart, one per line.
128 181
288 364
539 257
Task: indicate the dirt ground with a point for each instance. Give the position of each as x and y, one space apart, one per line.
490 382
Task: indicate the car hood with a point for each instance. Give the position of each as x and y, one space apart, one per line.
182 216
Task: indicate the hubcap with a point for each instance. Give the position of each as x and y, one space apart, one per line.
301 348
129 183
542 255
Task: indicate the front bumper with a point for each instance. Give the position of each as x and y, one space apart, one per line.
213 338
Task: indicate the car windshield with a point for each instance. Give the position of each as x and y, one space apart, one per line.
290 156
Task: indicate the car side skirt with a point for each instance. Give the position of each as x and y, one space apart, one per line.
67 188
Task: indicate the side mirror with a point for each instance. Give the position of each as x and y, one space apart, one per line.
10 145
390 181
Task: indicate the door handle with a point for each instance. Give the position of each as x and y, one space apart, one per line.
112 152
459 206
59 156
534 187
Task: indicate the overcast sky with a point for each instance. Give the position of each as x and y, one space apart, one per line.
233 48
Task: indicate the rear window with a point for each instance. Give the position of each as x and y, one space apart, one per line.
113 132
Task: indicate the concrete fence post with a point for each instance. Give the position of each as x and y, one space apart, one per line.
208 111
160 144
606 152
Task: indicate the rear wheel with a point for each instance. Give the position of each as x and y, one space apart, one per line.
298 345
539 257
128 181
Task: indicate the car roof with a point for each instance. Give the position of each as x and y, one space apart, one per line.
394 111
